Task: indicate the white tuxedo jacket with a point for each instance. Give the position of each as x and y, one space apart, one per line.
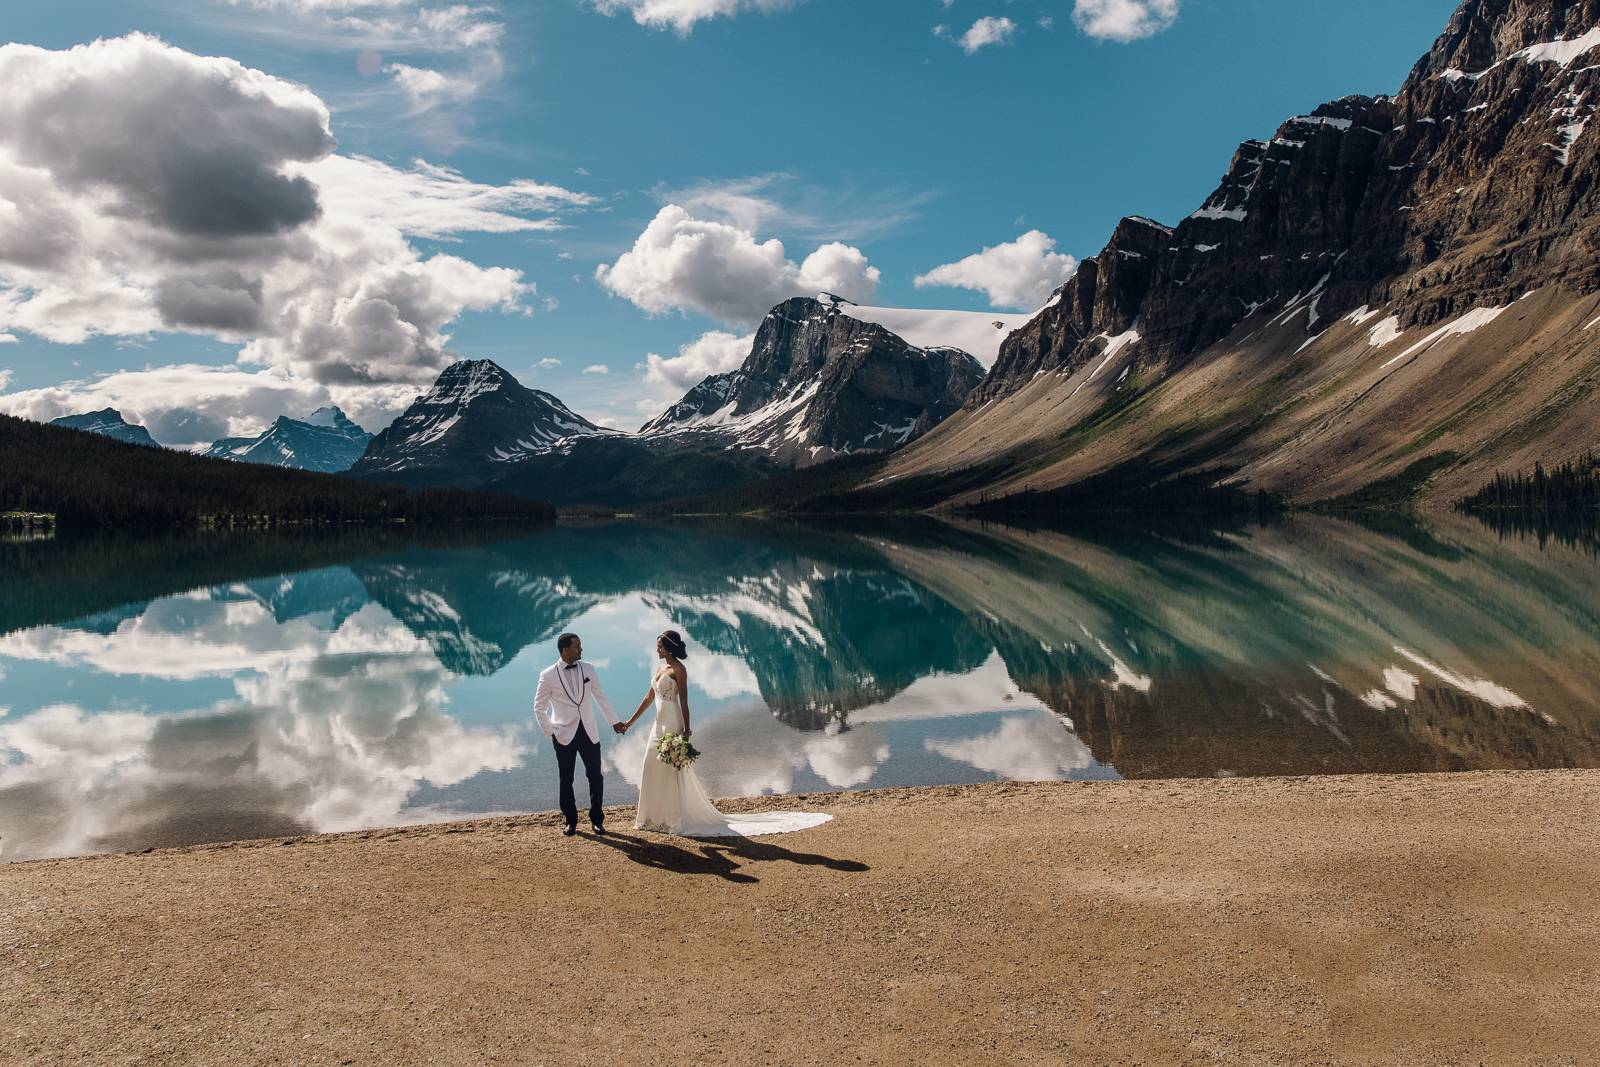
562 701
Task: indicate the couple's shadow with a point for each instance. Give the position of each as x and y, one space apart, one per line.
716 855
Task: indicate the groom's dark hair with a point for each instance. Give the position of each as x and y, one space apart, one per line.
564 640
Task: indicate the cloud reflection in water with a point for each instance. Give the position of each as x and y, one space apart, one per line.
330 730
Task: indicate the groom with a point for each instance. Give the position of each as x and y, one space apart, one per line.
561 705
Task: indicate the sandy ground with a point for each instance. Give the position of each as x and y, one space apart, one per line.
1426 919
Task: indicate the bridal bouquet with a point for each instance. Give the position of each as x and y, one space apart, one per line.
675 751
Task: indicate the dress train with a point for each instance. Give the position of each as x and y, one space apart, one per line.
672 801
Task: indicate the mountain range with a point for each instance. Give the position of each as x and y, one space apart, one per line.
1392 298
1393 291
818 383
325 441
108 422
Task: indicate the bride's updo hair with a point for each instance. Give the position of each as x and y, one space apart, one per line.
672 641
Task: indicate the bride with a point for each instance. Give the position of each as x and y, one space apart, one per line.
672 801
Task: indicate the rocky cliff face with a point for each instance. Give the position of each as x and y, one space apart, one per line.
1471 186
1261 331
475 421
820 384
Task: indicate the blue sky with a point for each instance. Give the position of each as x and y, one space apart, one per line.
850 126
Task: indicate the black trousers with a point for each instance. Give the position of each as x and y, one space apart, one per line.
567 760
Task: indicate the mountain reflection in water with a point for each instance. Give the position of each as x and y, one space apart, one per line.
394 687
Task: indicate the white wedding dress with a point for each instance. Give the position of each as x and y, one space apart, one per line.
673 802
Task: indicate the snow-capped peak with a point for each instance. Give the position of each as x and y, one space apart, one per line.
475 417
463 382
108 422
329 416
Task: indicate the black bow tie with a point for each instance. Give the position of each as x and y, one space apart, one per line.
570 667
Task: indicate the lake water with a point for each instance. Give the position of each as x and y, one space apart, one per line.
201 689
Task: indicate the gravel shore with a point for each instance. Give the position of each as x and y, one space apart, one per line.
1411 919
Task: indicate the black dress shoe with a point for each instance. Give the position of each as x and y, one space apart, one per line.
570 829
599 828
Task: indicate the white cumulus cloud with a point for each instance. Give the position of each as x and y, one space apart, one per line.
1124 20
986 31
1017 274
597 368
681 263
427 88
716 352
680 16
166 191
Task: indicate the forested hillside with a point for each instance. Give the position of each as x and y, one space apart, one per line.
87 481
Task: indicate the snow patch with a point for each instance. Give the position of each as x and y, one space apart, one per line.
1360 315
1113 346
1401 683
1473 320
1142 220
1119 342
1563 52
1386 331
1575 118
1123 676
483 377
1309 342
328 417
1237 214
434 432
1495 695
1318 120
1294 306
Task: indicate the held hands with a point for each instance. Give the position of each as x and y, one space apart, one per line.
620 727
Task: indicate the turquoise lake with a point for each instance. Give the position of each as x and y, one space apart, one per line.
204 689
